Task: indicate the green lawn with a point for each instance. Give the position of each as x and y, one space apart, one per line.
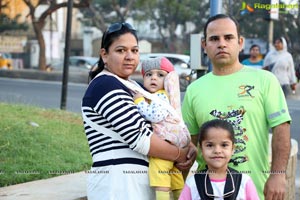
37 143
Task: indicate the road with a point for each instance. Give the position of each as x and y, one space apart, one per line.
47 94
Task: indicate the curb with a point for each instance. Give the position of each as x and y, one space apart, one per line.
66 187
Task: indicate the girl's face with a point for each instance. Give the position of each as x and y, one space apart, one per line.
154 80
217 149
123 56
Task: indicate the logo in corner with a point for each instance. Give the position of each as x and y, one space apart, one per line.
246 8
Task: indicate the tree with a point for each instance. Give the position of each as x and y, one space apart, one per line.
171 18
103 12
8 24
38 23
288 26
254 24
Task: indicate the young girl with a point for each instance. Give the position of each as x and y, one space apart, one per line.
218 181
161 80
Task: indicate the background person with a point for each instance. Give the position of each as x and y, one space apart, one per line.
244 97
255 60
280 62
119 137
161 80
216 141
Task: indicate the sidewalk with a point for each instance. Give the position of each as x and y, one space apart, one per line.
68 187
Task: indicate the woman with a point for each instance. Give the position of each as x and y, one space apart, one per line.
119 137
255 60
280 63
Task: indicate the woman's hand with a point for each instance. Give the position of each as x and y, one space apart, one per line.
190 158
293 86
182 154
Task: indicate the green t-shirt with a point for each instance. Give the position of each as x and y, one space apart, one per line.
253 101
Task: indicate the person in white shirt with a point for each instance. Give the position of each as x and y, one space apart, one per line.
280 63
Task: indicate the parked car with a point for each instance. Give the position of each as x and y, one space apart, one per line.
76 64
181 64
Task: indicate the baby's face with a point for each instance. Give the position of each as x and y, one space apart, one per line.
154 80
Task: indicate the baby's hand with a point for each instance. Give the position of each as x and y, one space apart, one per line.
137 95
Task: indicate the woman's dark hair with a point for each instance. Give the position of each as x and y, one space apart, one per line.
113 32
215 123
221 16
255 45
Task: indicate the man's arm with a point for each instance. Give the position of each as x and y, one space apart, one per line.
281 145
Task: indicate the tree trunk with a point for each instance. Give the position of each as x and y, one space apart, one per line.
42 51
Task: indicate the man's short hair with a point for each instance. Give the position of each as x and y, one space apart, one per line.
222 16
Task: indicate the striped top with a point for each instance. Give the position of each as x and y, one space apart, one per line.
108 103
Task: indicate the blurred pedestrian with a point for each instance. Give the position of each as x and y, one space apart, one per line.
255 60
280 62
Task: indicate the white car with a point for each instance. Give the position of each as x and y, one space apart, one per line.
181 64
76 64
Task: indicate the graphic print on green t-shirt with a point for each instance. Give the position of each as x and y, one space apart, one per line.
235 117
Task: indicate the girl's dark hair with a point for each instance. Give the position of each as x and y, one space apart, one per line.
109 36
215 123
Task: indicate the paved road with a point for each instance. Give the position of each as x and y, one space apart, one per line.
46 94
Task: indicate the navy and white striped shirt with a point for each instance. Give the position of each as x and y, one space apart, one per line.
108 103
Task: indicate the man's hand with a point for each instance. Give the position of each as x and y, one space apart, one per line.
281 145
182 156
275 187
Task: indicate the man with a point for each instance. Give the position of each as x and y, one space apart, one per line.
255 59
246 98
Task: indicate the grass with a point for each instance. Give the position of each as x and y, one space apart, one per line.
37 143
